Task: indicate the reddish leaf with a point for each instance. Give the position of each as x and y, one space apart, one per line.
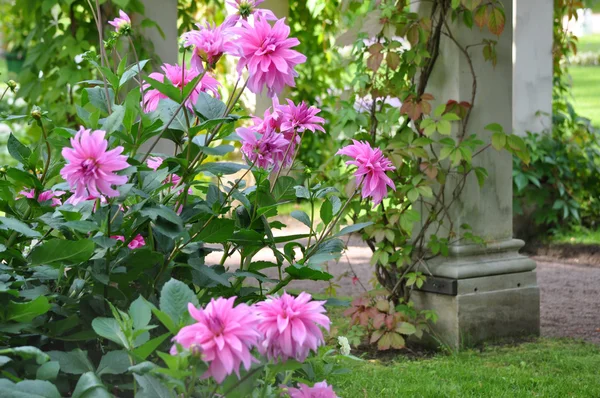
427 97
374 61
393 60
471 4
496 21
481 16
412 35
430 171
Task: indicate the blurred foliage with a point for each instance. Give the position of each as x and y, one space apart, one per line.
48 36
561 186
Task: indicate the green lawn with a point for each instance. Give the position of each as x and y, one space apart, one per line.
586 91
589 43
546 368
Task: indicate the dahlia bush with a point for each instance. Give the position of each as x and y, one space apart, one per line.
138 252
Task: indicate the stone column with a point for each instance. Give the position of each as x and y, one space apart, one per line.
532 66
164 13
481 293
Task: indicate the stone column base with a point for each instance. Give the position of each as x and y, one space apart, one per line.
472 310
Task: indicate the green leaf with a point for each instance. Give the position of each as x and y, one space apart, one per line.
165 320
494 127
48 371
174 298
90 386
412 195
62 251
167 108
218 230
140 313
326 212
75 362
306 272
444 127
152 387
18 151
109 329
27 352
498 140
23 177
302 217
284 189
161 211
97 97
149 347
28 389
113 363
219 150
18 226
26 312
132 71
406 328
168 89
209 107
152 180
208 272
222 168
353 228
115 119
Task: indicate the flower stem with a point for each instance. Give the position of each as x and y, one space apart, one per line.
48 151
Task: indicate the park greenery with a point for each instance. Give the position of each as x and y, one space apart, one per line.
113 274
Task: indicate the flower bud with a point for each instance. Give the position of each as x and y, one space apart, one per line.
12 85
36 113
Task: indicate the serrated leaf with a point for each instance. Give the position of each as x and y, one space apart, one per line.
113 363
110 329
75 362
152 387
174 298
209 107
498 140
496 21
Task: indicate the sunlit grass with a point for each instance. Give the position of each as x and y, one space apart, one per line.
586 91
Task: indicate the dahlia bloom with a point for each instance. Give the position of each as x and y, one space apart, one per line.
154 162
44 196
173 74
90 167
245 8
209 43
372 166
301 117
319 390
290 326
266 51
265 150
137 242
121 22
223 336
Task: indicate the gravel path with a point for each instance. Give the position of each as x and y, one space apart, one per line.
570 293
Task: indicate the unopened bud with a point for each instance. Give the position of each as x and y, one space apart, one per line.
36 113
12 85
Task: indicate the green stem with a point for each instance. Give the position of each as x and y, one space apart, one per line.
4 93
48 151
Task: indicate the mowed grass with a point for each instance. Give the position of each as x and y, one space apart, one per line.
577 235
586 92
588 43
545 368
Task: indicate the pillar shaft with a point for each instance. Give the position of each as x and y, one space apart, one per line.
488 291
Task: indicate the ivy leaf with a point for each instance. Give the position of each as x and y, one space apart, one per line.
481 17
174 298
496 21
18 151
62 251
498 140
471 4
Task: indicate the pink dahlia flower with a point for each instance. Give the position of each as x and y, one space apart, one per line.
137 242
290 326
371 172
265 150
266 51
209 43
121 22
174 74
90 167
223 336
319 390
301 117
154 162
45 196
245 8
